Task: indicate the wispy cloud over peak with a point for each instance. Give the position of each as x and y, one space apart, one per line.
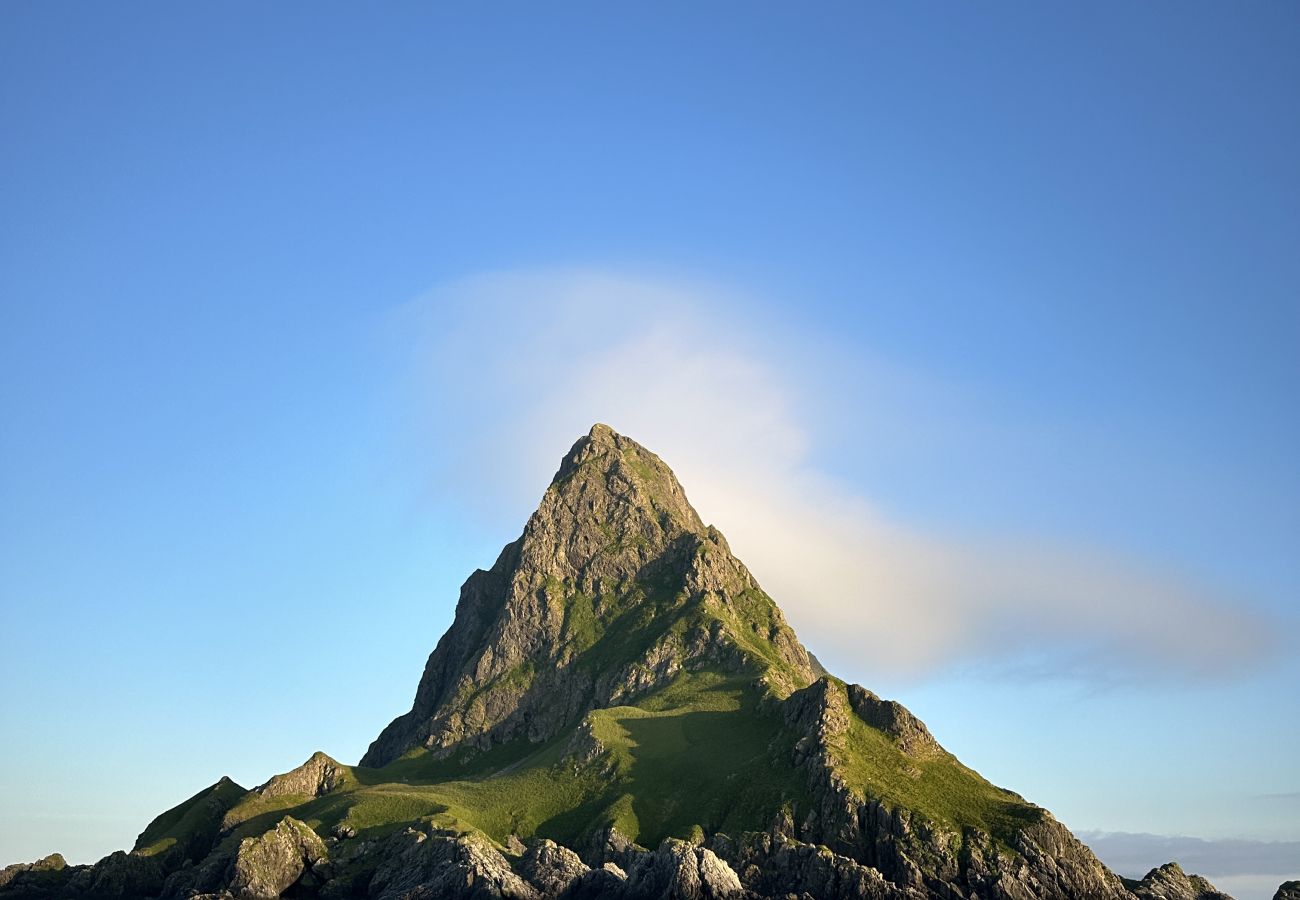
511 367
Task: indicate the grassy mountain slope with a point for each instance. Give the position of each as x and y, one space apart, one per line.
707 753
701 753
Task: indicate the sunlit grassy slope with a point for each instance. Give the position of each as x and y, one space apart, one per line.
701 753
935 785
189 827
706 753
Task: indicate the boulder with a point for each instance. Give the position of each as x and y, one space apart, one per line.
551 868
682 871
439 865
267 866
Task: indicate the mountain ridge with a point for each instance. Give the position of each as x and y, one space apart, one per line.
618 710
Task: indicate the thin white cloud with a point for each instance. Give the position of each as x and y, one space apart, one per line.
513 367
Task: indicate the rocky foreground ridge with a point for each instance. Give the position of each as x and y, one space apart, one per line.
618 710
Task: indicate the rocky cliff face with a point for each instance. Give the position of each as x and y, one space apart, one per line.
589 608
1288 890
617 679
1017 852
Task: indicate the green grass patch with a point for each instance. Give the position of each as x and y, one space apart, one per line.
189 825
939 788
693 758
699 754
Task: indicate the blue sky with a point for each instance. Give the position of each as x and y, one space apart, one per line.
300 304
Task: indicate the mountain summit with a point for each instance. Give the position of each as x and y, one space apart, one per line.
614 588
618 710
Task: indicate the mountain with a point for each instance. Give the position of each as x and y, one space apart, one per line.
615 588
618 710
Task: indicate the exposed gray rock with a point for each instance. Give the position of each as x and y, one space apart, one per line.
551 868
52 863
48 877
318 775
266 866
775 865
895 720
210 876
1170 882
911 852
609 845
583 746
437 865
614 531
123 875
1288 890
608 881
681 871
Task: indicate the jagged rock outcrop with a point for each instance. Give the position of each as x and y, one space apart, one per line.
893 719
772 864
52 863
428 864
266 866
613 543
1046 860
35 879
607 881
611 846
1170 882
318 775
681 871
119 875
1288 890
550 868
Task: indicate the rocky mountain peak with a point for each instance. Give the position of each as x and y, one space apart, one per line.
615 586
318 775
612 508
